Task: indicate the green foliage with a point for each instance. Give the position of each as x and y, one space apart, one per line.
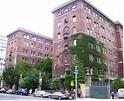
45 66
55 84
23 67
68 78
82 50
95 75
10 76
81 74
118 83
30 80
46 82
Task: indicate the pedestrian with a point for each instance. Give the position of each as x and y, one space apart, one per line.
112 94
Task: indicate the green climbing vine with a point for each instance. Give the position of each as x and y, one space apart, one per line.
86 45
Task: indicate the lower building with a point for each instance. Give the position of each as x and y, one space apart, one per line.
26 45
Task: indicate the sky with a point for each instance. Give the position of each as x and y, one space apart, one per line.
35 15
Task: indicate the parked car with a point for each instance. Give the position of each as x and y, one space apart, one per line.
2 90
41 94
10 91
59 95
22 92
121 93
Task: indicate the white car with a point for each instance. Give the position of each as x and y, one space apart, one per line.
40 94
121 93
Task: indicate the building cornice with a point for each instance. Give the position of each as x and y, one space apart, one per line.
87 2
31 32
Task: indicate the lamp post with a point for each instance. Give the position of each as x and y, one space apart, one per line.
76 72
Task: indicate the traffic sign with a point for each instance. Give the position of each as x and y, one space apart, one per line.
72 83
76 71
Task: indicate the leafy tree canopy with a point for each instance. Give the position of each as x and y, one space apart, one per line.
10 75
55 84
118 83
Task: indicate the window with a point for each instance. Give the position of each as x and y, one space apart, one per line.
58 36
74 7
97 35
65 21
32 61
98 48
74 18
74 30
59 14
104 50
89 31
26 36
66 10
25 51
32 52
89 20
91 58
58 47
58 24
90 44
98 60
25 43
103 39
96 25
39 54
74 43
102 29
66 30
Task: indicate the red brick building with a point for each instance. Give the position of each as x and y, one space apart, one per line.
81 16
23 44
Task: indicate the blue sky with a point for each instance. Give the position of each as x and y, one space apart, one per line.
35 15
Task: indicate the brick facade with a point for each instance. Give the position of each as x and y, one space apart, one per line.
81 16
23 44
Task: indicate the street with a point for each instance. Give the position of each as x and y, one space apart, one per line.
13 97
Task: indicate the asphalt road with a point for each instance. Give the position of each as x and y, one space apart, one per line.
13 97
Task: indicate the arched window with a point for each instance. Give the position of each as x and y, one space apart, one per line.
66 31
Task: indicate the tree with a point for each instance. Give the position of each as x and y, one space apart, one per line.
55 84
118 84
45 66
30 81
68 78
46 82
10 76
23 67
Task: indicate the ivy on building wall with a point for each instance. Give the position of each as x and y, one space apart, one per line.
86 45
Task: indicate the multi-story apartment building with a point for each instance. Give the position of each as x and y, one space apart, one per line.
26 45
77 16
3 43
